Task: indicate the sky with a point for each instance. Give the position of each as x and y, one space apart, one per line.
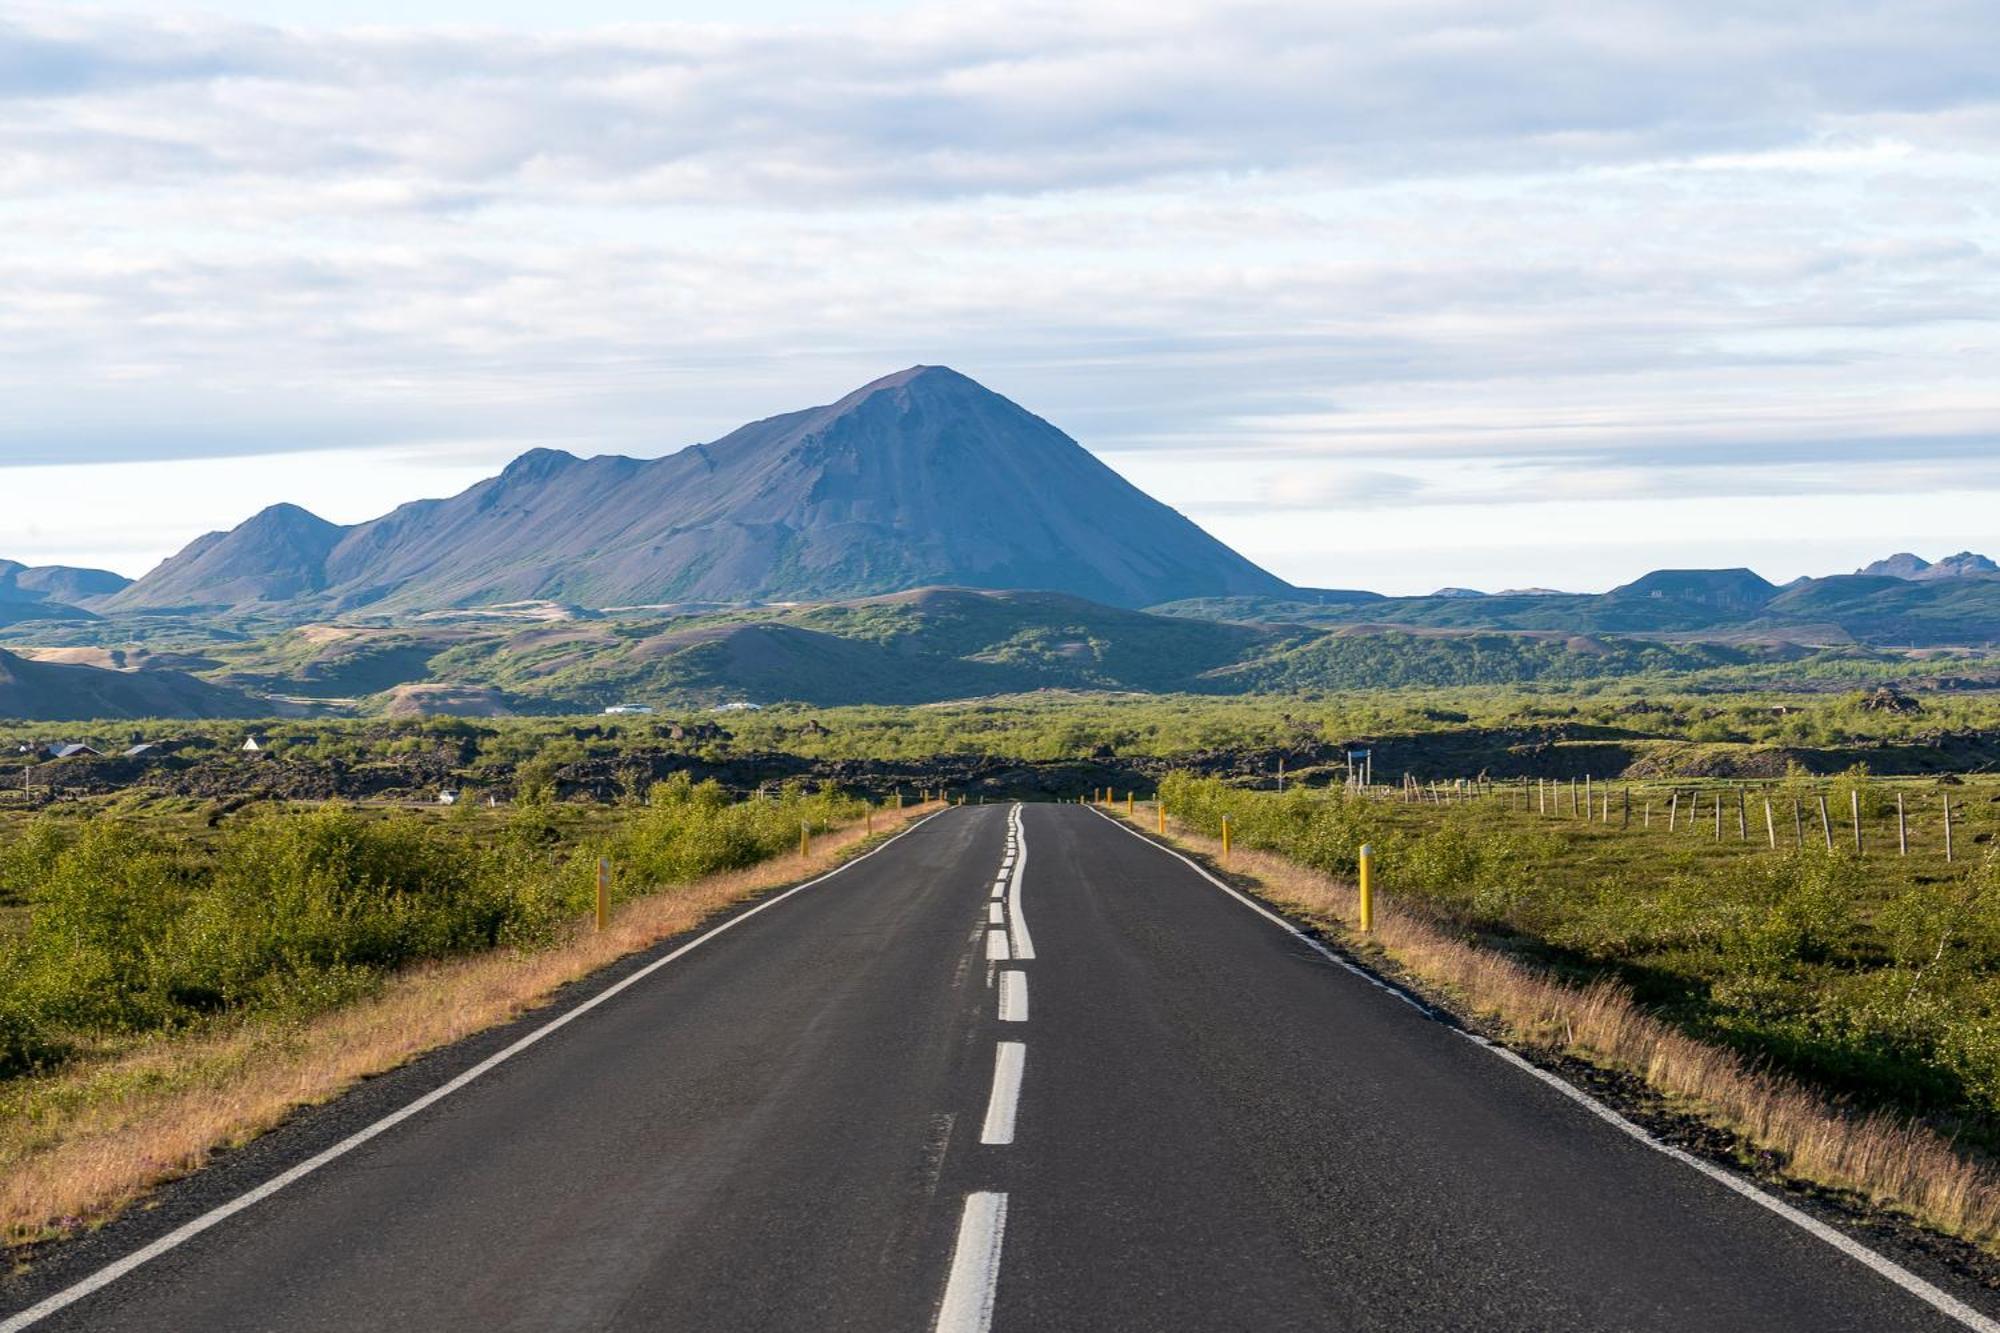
1390 294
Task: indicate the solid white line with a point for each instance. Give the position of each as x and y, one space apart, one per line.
1943 1301
1935 1297
1013 997
996 952
975 1266
1024 944
1009 1057
996 914
109 1274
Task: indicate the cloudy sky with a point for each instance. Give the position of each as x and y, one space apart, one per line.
1386 293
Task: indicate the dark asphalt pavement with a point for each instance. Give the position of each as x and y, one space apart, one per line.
1217 1128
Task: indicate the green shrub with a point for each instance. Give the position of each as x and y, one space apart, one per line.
128 930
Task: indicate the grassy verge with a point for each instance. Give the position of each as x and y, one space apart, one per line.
1891 1160
80 1143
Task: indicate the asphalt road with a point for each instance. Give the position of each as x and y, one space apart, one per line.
1059 1081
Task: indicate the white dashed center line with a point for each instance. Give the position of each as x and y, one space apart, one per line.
975 1266
1009 1057
1024 945
1013 997
996 946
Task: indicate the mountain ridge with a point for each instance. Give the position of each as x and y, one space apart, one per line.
921 477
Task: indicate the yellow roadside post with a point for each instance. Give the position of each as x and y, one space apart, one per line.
1131 804
1367 888
1225 840
603 891
1162 805
805 839
899 798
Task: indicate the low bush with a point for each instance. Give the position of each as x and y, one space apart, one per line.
130 930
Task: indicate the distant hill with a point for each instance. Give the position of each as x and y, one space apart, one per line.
55 691
1886 609
17 613
1725 605
915 647
1904 565
1727 590
1901 565
51 592
923 477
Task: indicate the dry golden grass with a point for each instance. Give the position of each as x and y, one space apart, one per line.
78 1146
1897 1164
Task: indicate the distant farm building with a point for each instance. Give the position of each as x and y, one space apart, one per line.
255 745
74 750
621 710
447 798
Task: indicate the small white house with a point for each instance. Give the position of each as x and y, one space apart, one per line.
447 798
622 710
255 745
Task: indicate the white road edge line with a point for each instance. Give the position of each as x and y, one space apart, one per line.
996 913
1013 997
180 1235
1009 1059
1024 944
975 1266
996 952
1936 1297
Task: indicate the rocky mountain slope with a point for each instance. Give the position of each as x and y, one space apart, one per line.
923 477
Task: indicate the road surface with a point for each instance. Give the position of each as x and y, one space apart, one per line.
1019 1069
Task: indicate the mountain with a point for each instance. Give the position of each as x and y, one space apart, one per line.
1903 565
55 691
1737 590
278 556
63 585
1965 564
920 478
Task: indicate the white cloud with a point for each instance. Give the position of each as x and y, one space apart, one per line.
1372 254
